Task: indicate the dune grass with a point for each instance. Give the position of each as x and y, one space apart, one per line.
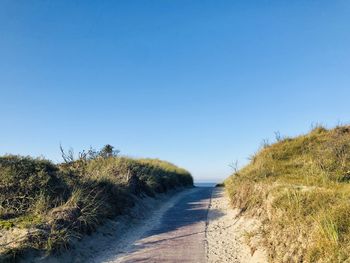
44 206
300 189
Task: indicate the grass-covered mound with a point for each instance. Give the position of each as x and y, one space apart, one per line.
44 206
300 188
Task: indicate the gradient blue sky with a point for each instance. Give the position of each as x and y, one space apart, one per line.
199 83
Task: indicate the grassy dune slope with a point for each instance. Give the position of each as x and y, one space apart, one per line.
44 206
300 189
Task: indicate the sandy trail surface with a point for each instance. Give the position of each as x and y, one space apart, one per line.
227 233
178 235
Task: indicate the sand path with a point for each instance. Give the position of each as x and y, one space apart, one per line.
227 233
178 236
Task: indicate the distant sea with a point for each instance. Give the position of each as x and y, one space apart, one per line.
204 184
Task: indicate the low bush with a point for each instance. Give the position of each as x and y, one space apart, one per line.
27 183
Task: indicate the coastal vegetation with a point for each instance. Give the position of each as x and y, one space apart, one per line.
299 189
45 206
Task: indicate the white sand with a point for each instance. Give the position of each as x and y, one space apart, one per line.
227 234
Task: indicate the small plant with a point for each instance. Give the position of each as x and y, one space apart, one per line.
234 166
329 229
108 151
278 136
265 143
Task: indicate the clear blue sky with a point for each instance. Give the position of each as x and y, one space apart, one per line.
199 83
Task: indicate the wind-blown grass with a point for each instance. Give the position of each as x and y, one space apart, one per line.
300 189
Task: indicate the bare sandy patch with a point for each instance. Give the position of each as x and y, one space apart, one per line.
228 233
